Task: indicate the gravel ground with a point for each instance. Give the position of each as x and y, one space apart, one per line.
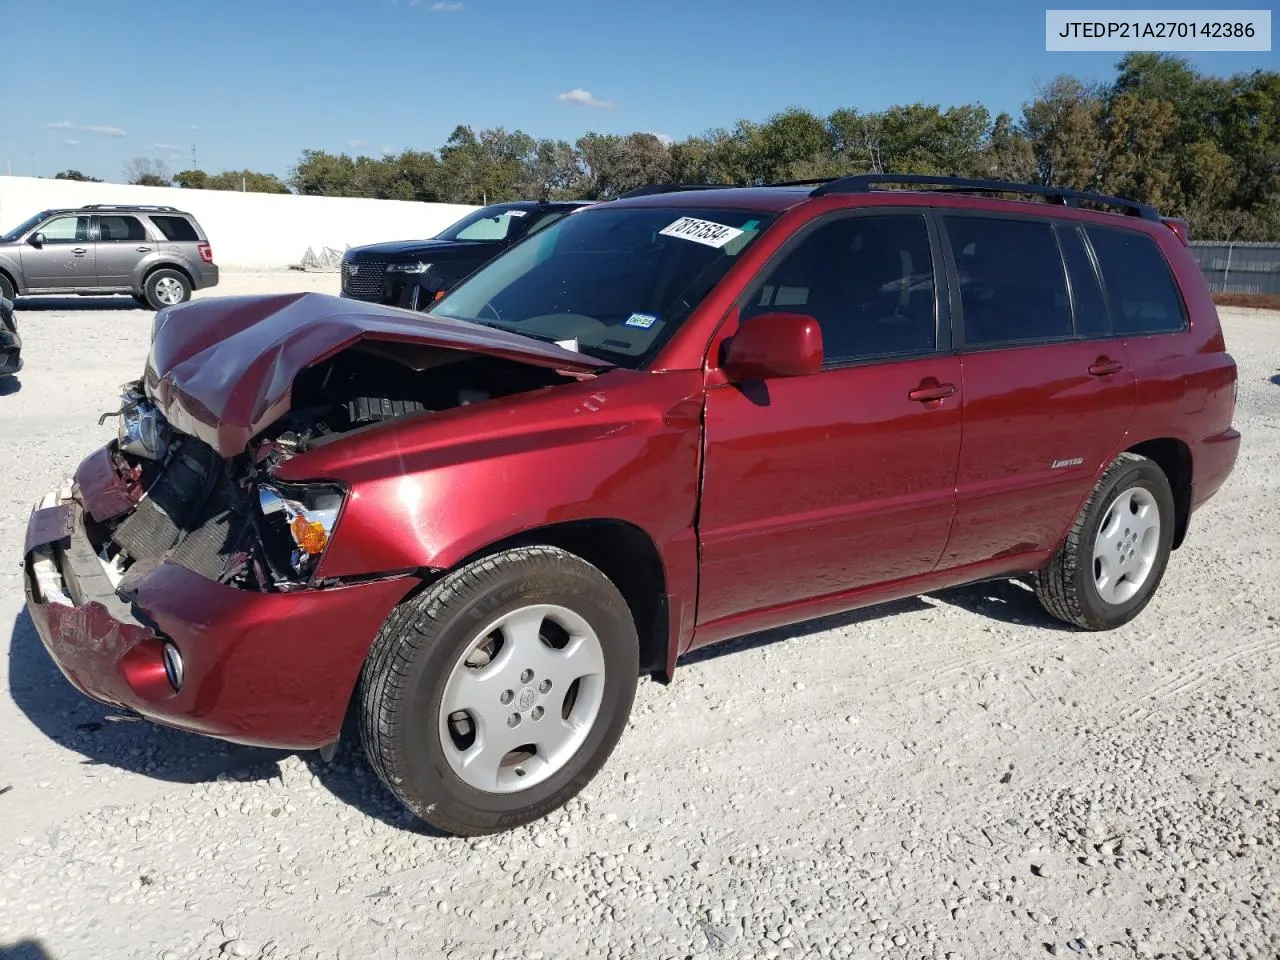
950 776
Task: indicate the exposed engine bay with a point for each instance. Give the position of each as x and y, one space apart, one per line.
174 497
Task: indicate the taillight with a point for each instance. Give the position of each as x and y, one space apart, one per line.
1178 226
206 252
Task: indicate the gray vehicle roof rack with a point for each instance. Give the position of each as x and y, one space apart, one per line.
128 206
863 183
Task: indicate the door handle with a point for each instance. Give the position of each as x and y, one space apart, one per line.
143 249
1104 367
930 392
79 251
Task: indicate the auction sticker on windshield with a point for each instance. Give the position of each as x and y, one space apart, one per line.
701 231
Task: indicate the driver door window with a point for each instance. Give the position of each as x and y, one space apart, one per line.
66 230
867 280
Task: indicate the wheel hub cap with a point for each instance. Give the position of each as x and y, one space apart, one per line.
521 698
1125 548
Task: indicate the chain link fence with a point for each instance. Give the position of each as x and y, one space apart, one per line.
1239 267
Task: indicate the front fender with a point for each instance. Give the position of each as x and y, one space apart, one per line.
429 492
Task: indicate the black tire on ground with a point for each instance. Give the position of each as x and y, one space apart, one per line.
1066 587
167 277
6 288
404 678
141 300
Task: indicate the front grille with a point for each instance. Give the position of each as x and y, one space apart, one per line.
366 284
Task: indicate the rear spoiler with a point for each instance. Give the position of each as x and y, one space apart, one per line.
1179 226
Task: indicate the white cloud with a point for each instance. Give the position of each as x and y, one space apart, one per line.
195 126
355 143
663 138
585 98
91 128
177 156
445 7
164 146
72 143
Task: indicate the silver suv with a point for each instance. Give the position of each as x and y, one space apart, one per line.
158 255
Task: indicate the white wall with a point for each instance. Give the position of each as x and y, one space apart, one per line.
248 231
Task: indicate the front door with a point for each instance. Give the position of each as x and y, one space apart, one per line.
818 485
65 260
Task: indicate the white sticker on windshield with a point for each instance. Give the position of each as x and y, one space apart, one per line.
571 344
642 320
517 213
701 231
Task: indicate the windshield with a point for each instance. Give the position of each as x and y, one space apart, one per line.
23 227
616 282
487 223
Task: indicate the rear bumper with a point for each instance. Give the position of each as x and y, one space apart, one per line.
206 275
268 669
1211 464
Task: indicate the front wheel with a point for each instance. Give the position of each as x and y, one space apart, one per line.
493 697
1115 554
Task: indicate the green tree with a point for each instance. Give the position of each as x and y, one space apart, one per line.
1063 125
191 179
76 175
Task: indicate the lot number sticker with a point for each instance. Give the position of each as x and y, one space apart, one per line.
701 231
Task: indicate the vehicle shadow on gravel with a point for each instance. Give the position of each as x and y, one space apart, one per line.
1006 600
24 950
74 721
122 304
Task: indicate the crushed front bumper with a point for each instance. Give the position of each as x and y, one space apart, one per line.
268 669
10 352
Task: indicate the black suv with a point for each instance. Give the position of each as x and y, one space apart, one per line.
415 273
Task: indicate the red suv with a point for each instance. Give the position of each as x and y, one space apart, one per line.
667 420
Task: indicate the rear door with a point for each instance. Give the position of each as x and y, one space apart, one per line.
65 260
1048 393
122 243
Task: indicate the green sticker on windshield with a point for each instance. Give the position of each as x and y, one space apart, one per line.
750 225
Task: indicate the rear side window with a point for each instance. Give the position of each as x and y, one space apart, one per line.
1139 285
121 228
176 229
1013 288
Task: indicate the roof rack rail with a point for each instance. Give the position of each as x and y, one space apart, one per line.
862 183
128 206
671 188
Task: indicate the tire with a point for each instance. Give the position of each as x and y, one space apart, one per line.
449 766
164 288
142 301
1088 587
6 289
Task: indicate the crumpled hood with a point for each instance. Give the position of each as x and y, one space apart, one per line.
222 369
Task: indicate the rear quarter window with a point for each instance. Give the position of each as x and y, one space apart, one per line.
176 229
1140 288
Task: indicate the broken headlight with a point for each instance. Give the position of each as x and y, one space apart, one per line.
304 517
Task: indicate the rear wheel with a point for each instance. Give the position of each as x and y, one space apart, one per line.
496 695
1114 557
164 288
6 288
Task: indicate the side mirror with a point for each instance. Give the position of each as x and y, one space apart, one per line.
36 239
774 345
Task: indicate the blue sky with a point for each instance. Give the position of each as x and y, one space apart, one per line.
92 83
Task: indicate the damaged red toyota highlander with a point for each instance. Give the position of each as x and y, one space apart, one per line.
664 421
